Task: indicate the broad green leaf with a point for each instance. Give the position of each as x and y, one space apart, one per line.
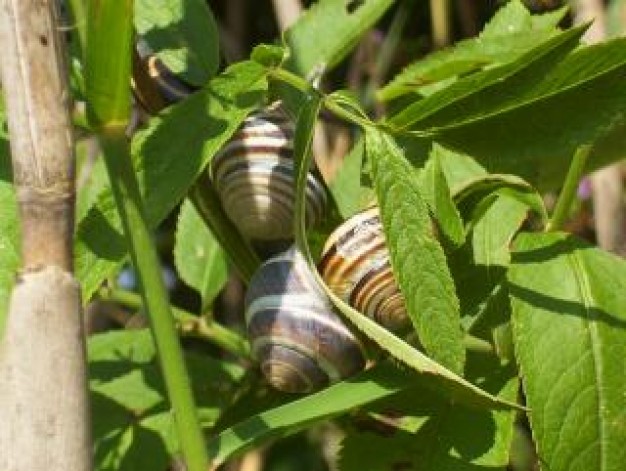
569 327
457 167
168 156
420 430
334 27
9 230
371 385
346 188
535 137
91 178
437 376
492 89
199 259
183 34
109 28
417 258
492 235
436 192
510 33
132 425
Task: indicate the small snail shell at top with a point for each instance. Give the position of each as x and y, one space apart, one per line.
355 266
254 176
300 342
170 86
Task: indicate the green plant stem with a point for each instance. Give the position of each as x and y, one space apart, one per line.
78 14
206 201
187 323
568 193
144 257
292 79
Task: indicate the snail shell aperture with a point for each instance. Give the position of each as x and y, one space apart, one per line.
254 176
355 265
300 342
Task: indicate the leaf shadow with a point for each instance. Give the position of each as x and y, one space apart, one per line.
564 307
101 237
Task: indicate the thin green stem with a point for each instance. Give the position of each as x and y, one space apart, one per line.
187 324
145 259
331 105
292 79
568 193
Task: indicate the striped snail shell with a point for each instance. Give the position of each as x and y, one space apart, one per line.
301 343
255 177
171 88
355 266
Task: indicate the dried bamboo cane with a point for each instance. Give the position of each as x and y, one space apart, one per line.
43 391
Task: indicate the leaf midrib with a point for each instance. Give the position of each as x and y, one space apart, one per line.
582 283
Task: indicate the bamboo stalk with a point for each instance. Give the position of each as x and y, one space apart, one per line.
43 397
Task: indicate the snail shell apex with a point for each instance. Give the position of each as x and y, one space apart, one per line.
255 177
355 265
300 342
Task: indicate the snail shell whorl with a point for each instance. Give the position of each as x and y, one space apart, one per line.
355 266
254 176
300 342
170 86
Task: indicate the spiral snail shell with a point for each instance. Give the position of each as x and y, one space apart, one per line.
300 342
254 176
355 266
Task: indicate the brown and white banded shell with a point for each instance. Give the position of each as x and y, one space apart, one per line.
301 343
255 177
355 265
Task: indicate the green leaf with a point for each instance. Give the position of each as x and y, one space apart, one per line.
373 384
334 27
346 188
510 33
107 75
536 136
132 425
492 89
492 235
569 327
199 259
417 258
183 34
422 431
475 195
168 156
269 55
438 377
9 229
435 190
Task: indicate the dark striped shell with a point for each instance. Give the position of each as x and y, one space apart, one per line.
355 266
254 176
170 86
300 342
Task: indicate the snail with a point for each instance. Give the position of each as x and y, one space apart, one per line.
148 67
355 266
300 342
254 176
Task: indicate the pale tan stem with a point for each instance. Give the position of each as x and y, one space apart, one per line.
440 22
609 210
43 386
43 376
287 12
34 82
